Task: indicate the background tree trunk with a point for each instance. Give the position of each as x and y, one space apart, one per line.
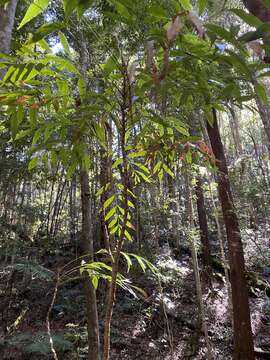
87 249
243 341
7 15
206 254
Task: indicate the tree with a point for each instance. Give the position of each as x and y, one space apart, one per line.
243 340
127 112
7 15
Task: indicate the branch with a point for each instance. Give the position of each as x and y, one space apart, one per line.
48 316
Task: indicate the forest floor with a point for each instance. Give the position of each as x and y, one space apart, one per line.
161 326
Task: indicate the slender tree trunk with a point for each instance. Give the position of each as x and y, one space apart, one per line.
257 8
174 216
57 205
243 341
202 324
221 240
234 126
7 15
72 210
116 255
87 243
203 231
87 249
265 116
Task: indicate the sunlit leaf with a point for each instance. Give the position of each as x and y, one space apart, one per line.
32 163
36 8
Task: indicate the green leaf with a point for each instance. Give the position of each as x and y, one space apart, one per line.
37 135
249 36
260 91
108 202
168 170
100 191
110 213
248 18
130 204
116 163
114 230
22 134
69 6
202 6
33 116
157 12
36 8
94 280
220 31
142 167
121 9
127 235
128 260
64 64
137 154
81 87
100 132
143 176
186 5
110 65
45 30
64 42
86 162
181 130
140 290
33 163
188 157
140 261
112 223
261 32
63 92
71 170
239 63
157 167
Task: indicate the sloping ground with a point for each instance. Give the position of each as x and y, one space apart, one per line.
162 326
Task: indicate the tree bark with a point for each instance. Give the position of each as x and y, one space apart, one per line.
202 324
257 8
87 249
265 116
243 341
203 231
72 210
7 16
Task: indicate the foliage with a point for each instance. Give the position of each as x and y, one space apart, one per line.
39 344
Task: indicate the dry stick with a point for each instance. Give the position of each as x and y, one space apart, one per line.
48 316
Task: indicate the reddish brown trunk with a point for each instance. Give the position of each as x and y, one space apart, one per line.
243 341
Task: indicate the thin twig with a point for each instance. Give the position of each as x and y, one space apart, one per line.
48 316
